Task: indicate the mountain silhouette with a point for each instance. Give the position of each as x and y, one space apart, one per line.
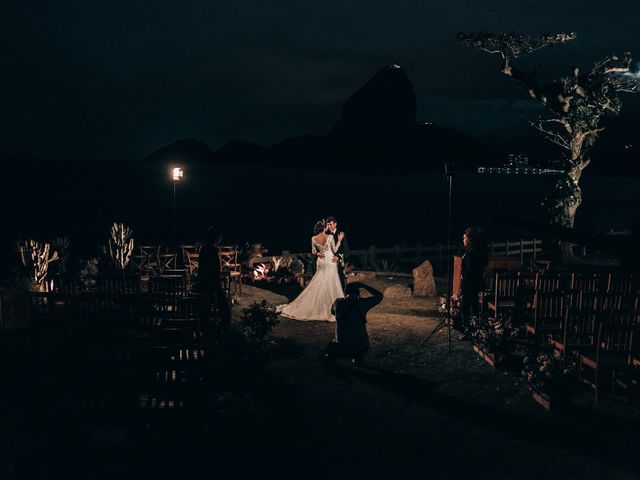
377 131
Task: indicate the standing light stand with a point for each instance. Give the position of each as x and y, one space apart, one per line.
177 173
446 319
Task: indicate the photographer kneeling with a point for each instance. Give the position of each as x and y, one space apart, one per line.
352 340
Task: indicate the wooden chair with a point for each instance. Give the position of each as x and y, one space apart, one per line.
589 282
548 313
579 330
165 291
151 253
139 263
611 352
503 298
621 283
14 312
229 263
192 262
581 300
186 249
612 301
551 282
167 261
118 284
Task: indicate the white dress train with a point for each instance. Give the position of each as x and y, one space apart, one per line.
316 300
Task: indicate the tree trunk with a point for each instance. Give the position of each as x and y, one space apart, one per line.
561 206
571 207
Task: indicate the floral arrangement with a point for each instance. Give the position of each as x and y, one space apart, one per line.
548 373
454 306
257 322
494 335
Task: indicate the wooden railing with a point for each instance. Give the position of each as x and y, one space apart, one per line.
414 255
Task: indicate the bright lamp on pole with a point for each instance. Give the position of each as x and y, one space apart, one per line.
177 173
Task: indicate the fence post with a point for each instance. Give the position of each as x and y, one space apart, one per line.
372 255
521 251
535 247
492 249
506 248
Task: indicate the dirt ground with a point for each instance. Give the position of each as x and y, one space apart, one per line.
416 411
410 411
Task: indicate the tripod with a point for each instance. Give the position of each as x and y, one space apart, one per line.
446 320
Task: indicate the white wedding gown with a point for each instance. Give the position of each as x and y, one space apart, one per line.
316 300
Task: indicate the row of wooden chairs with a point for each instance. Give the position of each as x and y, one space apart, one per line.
592 316
230 265
150 259
146 366
602 330
505 289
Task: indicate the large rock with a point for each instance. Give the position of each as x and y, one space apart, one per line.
397 291
424 285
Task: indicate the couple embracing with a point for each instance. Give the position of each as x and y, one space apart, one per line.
328 245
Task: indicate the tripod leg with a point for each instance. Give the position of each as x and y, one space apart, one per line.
437 327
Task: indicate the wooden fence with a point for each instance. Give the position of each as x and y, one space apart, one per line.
414 255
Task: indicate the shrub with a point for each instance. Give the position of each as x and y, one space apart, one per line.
257 322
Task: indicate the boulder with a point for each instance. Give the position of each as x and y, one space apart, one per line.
424 285
397 291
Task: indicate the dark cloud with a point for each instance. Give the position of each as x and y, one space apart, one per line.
118 79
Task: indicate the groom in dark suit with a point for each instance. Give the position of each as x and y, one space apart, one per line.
332 225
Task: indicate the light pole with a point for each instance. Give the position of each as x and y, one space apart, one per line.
449 171
176 175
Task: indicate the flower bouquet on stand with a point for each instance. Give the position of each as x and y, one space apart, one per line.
454 309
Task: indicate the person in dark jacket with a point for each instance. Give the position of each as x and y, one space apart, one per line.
474 261
209 281
352 339
343 248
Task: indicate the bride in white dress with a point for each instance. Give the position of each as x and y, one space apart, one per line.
316 300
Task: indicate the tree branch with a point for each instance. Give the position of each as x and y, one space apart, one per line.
553 137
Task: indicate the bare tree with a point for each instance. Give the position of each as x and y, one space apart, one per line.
575 104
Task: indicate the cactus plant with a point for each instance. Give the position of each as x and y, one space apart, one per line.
37 256
120 245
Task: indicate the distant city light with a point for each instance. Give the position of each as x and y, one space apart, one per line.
520 171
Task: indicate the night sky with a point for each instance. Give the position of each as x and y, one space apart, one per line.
117 80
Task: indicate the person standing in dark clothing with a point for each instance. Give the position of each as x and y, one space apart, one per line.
209 280
474 261
343 248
